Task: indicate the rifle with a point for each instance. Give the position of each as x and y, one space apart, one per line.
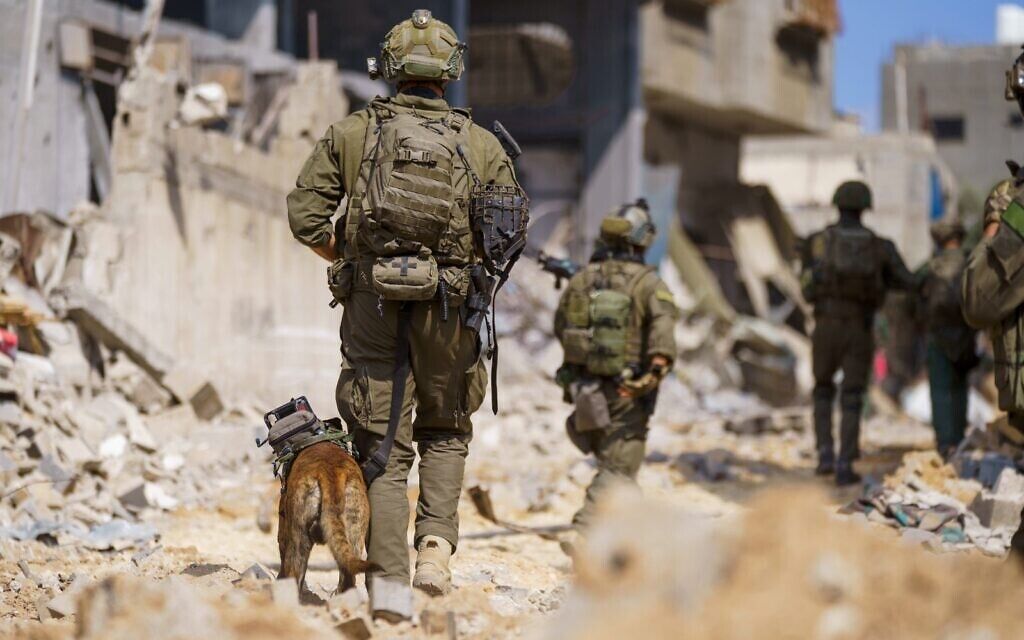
561 268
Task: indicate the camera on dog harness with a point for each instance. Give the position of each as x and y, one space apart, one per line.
293 427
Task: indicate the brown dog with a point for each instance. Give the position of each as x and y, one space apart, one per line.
324 502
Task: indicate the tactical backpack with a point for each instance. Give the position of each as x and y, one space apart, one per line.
602 336
942 291
849 268
412 192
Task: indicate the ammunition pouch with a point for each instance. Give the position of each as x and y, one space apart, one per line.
576 344
499 216
405 278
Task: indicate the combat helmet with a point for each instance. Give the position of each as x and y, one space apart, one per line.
853 195
1015 82
420 48
945 230
631 224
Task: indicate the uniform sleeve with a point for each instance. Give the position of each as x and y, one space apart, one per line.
897 276
661 321
993 281
807 266
329 172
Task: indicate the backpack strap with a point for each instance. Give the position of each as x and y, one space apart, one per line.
379 114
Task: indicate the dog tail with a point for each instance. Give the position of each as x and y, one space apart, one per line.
344 519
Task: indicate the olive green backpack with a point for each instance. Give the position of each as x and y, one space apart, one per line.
601 336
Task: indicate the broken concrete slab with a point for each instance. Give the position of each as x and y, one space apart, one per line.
62 606
189 385
355 629
98 319
257 571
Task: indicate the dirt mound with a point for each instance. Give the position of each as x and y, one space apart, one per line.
126 608
789 570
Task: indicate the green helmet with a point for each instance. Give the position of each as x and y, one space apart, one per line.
631 224
945 230
420 48
853 195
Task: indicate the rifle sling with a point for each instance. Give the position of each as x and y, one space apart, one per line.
374 466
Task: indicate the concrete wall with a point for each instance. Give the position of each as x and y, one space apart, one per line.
54 158
803 173
960 82
733 66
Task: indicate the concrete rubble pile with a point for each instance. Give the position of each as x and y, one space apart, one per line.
973 502
98 429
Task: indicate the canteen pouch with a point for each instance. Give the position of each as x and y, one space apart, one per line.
405 278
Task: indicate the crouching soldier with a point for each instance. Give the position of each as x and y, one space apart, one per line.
615 322
950 341
847 270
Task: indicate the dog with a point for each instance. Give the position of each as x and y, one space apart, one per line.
323 502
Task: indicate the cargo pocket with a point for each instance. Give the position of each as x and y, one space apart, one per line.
354 400
474 387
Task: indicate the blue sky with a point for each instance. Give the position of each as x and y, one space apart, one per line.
872 27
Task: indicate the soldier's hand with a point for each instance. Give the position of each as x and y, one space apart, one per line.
647 383
327 251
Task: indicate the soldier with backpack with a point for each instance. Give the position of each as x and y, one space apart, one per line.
433 220
615 322
847 270
950 341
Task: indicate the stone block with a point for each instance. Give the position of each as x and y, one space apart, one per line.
995 511
355 629
189 386
62 606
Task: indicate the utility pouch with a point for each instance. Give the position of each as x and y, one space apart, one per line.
339 279
576 345
288 424
499 215
405 278
591 406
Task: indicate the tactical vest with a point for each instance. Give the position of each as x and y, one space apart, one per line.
848 266
411 196
603 333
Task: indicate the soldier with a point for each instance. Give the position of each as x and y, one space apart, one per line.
616 324
847 270
993 287
408 272
950 342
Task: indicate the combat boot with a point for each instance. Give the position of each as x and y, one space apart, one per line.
826 463
432 573
845 475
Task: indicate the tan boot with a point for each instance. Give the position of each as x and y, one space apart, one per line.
432 573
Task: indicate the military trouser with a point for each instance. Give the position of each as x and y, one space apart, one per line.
840 343
947 381
446 384
619 449
1016 420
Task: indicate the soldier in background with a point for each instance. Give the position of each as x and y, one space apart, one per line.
993 288
616 324
847 270
951 343
403 260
